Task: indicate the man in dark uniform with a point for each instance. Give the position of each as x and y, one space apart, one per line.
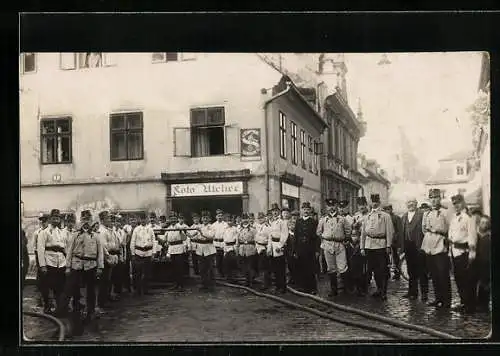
307 250
291 260
396 222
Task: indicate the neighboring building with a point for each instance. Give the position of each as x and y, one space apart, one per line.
160 131
373 179
339 173
457 174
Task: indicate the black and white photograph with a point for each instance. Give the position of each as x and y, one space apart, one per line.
201 197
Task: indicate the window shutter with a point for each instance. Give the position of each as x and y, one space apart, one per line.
68 61
232 140
110 59
188 56
182 142
318 148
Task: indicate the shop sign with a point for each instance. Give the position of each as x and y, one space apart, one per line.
250 144
289 190
206 189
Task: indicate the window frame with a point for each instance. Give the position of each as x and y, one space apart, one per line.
165 60
282 134
310 146
206 125
461 169
23 63
126 131
76 61
303 149
293 135
70 134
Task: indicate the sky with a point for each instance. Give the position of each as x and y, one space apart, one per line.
426 93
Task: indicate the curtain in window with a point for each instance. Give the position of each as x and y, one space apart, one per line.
118 146
134 145
201 142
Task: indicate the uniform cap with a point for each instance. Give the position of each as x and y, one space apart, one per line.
245 216
424 206
195 215
43 217
85 214
219 211
70 218
361 200
285 209
152 215
387 207
251 215
434 193
343 203
261 215
205 213
306 204
163 217
375 198
180 216
103 214
459 198
331 202
55 212
172 215
295 213
274 206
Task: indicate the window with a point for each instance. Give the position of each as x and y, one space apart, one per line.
315 162
294 143
460 171
126 136
68 61
161 57
336 147
28 62
282 135
207 134
303 151
345 153
311 152
56 140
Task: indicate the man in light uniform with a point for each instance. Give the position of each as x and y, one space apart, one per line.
206 251
333 230
261 243
278 231
128 228
219 226
141 250
43 220
181 224
230 249
85 262
463 242
51 249
176 250
247 250
396 241
193 235
357 262
118 273
376 240
435 225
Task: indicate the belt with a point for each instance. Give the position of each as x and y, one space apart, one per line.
85 258
247 243
56 249
275 239
230 243
204 242
145 249
378 237
332 239
262 243
114 252
219 240
460 245
178 242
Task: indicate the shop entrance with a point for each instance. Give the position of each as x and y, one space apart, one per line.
187 206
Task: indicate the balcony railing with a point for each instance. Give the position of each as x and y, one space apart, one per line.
329 162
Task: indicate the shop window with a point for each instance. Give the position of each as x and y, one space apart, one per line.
68 61
282 135
294 143
28 63
56 140
126 136
303 151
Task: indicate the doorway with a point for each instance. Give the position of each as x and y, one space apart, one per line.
187 206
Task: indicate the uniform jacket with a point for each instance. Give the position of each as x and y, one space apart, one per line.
207 233
261 237
462 231
49 239
35 237
412 230
333 227
357 223
230 237
141 243
219 228
246 241
175 241
306 239
436 220
377 224
110 244
85 251
184 235
192 236
278 231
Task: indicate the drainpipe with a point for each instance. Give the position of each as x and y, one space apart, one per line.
266 133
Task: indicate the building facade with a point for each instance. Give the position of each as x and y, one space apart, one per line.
373 179
156 132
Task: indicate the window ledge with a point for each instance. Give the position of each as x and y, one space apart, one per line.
55 163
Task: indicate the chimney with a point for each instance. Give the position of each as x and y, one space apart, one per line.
333 71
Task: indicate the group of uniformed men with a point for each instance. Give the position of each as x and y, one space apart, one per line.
101 255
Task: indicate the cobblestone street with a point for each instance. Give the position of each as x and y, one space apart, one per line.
232 315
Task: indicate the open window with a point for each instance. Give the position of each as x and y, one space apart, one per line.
28 63
56 140
208 134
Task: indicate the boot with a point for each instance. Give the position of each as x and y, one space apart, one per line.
333 285
346 283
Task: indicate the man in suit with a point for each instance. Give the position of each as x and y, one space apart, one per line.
412 236
396 222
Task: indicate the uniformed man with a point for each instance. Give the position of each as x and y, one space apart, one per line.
85 262
219 226
206 251
230 237
396 241
128 228
356 262
376 239
118 273
141 250
153 225
291 259
176 250
343 210
435 225
181 224
163 221
111 250
237 221
307 250
51 249
193 235
425 208
333 230
247 250
278 231
251 221
43 221
463 242
261 243
69 233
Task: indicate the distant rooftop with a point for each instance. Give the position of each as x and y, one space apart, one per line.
446 174
459 156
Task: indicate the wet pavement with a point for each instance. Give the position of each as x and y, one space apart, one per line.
234 315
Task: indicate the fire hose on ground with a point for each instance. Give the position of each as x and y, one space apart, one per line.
59 323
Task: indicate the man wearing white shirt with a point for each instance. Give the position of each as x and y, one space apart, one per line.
230 249
278 233
141 250
463 241
176 250
219 227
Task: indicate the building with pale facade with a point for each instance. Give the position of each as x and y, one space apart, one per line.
373 179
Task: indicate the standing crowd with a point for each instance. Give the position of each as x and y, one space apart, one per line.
111 255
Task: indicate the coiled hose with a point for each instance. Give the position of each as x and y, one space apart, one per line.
59 323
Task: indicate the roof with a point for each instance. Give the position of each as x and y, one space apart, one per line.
457 156
446 175
376 176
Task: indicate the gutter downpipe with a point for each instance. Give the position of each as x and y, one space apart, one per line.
266 132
